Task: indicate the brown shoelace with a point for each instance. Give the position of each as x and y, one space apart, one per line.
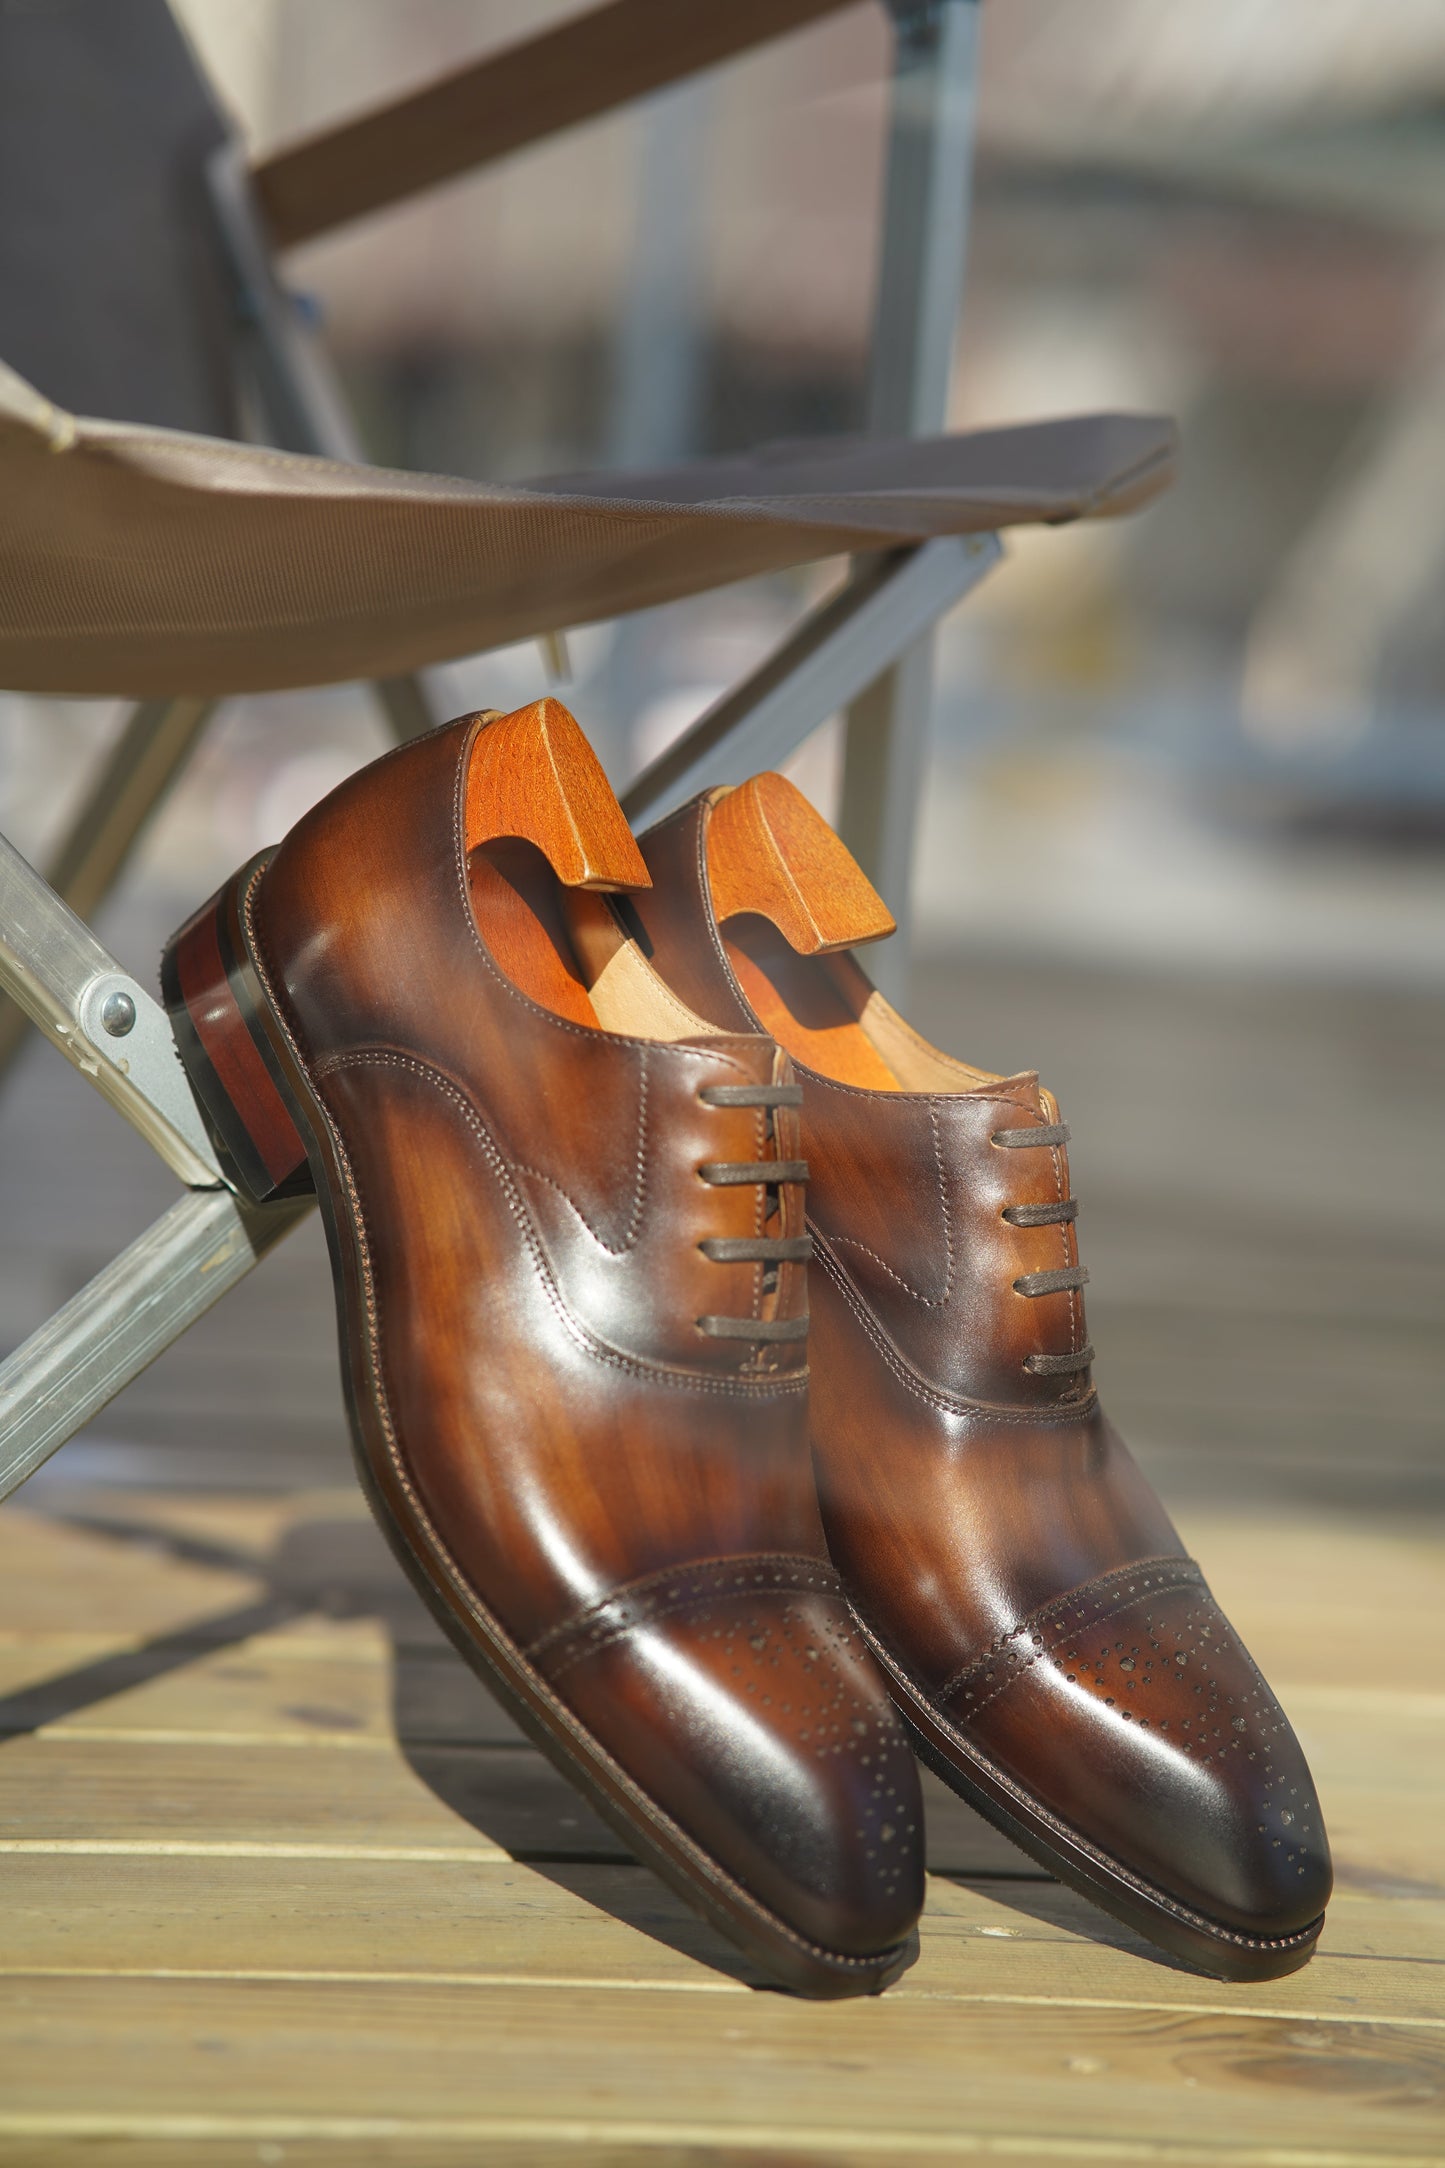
770 1251
1067 1278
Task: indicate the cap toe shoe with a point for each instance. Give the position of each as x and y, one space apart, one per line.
756 1717
573 1298
1131 1711
1057 1657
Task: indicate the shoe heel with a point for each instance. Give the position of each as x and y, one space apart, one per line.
216 1006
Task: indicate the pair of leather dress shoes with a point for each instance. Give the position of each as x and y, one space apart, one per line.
728 1555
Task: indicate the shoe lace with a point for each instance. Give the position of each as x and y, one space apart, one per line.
1067 1278
770 1251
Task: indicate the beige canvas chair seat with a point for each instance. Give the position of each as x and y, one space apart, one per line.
140 561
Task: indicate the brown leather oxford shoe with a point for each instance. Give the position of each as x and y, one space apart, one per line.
566 1222
1058 1658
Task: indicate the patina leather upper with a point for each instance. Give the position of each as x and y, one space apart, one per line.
632 1499
990 1525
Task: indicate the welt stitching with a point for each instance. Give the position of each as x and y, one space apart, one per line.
1181 1572
639 1181
971 1410
599 1350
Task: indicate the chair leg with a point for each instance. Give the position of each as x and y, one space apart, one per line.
119 1038
127 1315
155 744
885 756
405 704
925 233
103 1021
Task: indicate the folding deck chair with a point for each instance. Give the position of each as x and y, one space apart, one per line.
151 555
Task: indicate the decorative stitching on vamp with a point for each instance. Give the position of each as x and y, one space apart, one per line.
947 1403
1088 1604
640 1801
1173 1653
639 1180
1218 1706
600 1351
969 1750
1068 1248
915 1294
675 1591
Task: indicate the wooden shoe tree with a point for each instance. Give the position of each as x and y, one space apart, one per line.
544 835
790 901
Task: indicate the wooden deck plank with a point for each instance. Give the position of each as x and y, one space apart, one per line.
300 1683
1379 1762
350 2058
1031 2030
61 1791
56 1790
297 1686
276 1886
68 2145
1317 1598
146 1565
62 1580
1022 1942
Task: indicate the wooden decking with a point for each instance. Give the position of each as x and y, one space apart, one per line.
281 1885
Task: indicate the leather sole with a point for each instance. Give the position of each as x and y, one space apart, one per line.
276 1139
1204 1945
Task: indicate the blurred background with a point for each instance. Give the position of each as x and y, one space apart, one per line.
1184 841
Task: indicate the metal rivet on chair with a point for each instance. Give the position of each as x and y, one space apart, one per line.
117 1015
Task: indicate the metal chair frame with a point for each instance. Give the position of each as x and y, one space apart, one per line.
866 651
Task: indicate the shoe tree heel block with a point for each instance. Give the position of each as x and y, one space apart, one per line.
790 899
541 819
214 1002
